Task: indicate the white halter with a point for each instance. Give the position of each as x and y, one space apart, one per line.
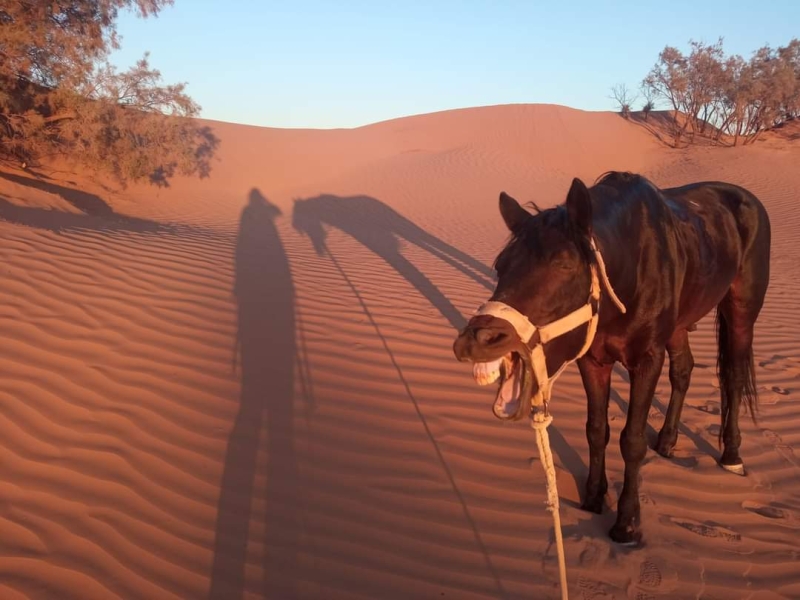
526 330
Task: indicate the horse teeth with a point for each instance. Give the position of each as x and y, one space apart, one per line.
488 372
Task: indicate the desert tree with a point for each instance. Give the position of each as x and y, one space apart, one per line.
668 79
771 90
704 67
624 99
649 100
734 95
790 56
59 95
740 98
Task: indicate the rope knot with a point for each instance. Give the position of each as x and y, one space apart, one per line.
540 421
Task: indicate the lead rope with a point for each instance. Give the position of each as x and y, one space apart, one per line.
541 419
604 276
539 422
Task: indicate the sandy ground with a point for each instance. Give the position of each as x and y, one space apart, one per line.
244 387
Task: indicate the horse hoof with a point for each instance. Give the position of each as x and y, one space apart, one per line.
665 451
736 469
665 444
625 536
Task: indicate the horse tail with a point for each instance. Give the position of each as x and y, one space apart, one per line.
736 374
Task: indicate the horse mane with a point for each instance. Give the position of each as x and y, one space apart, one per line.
529 238
529 235
615 178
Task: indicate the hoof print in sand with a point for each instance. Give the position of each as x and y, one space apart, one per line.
646 499
785 450
771 395
711 408
780 363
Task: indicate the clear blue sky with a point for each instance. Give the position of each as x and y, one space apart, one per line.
342 63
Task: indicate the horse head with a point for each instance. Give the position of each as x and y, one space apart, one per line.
540 316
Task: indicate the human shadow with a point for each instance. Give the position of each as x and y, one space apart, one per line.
381 229
264 294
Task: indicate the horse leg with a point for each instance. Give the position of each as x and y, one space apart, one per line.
597 383
681 364
633 444
736 373
736 318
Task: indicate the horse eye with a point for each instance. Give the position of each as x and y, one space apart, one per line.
565 265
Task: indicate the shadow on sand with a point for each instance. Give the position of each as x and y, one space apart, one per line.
266 341
95 215
88 203
381 229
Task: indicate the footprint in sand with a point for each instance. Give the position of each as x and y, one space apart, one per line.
649 575
784 450
770 512
781 363
708 531
591 555
594 590
656 577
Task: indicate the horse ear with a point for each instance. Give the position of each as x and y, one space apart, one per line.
579 207
513 214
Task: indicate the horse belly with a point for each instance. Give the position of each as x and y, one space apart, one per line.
713 259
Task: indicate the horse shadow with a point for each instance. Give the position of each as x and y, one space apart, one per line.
381 229
265 299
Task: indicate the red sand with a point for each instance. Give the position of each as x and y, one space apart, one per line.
346 454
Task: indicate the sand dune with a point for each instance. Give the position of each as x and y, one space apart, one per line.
243 387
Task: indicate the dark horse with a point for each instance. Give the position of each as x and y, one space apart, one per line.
671 256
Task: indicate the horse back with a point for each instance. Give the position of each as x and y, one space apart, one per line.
720 226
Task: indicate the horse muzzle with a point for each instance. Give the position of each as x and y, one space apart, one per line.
499 356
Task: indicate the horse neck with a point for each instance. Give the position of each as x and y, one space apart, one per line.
619 244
